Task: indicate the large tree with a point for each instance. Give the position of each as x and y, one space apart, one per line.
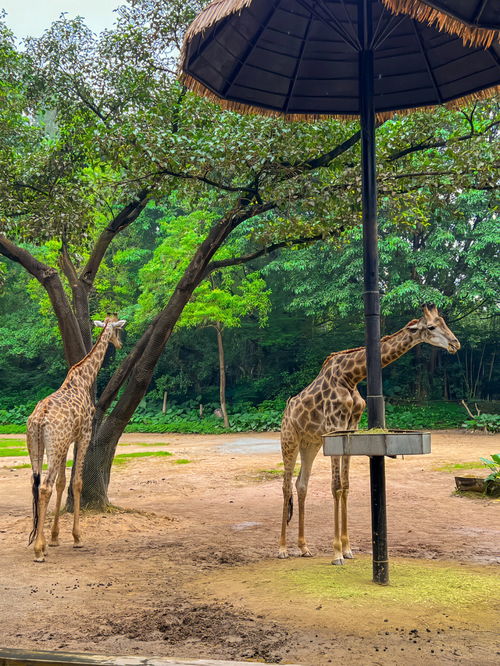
92 129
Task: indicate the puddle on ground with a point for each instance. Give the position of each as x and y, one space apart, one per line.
244 526
251 445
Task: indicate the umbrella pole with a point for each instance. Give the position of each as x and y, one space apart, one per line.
375 399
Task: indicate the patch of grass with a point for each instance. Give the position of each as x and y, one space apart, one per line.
69 463
270 474
422 585
449 467
122 458
144 444
181 461
13 452
9 443
11 429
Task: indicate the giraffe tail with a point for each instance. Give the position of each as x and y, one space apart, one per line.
36 446
36 498
290 509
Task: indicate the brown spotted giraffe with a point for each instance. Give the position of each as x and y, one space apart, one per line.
58 420
332 402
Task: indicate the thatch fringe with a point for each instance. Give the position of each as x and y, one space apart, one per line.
250 109
215 11
417 9
422 12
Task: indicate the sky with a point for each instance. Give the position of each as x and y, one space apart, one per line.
31 17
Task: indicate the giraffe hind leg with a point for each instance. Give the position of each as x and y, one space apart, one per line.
290 450
60 485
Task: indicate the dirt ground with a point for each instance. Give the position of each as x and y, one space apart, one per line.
189 569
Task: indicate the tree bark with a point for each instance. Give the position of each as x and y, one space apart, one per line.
222 375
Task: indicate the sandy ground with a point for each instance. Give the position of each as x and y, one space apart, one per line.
190 569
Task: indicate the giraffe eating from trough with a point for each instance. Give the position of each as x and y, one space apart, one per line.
332 402
57 421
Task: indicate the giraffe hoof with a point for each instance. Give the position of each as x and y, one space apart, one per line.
338 562
283 555
41 558
306 553
78 545
348 555
54 542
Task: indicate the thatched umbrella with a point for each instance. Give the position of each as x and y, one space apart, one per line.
477 22
313 59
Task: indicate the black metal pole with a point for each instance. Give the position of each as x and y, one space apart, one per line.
375 399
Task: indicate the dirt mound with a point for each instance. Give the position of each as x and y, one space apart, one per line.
221 628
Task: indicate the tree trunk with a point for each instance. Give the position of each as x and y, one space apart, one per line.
139 366
222 375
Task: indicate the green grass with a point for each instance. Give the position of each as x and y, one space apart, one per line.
119 459
12 442
181 461
13 453
122 458
69 463
449 467
10 429
143 443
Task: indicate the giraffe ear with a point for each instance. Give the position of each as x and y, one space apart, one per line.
99 324
119 324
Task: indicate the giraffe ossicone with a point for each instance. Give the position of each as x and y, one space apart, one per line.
60 419
332 402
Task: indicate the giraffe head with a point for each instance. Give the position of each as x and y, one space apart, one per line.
432 328
115 324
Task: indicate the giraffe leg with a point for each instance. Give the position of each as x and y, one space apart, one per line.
346 547
337 500
60 485
307 455
289 451
81 449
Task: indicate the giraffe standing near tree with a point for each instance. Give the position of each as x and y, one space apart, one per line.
332 402
57 421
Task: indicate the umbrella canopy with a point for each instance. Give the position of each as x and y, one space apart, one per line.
475 21
300 59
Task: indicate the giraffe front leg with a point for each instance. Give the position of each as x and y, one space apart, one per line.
337 500
60 485
346 546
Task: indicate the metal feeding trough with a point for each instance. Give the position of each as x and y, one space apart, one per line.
381 443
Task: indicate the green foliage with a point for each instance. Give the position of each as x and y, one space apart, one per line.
486 422
493 465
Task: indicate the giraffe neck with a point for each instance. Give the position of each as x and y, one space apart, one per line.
85 372
352 364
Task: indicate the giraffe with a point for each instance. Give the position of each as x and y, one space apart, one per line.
333 402
64 417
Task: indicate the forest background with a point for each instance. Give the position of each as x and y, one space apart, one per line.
235 240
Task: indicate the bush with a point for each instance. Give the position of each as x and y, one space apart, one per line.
486 422
266 416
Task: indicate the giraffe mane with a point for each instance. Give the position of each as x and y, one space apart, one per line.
355 349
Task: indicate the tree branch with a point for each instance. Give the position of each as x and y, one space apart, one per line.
74 348
236 261
425 145
125 217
